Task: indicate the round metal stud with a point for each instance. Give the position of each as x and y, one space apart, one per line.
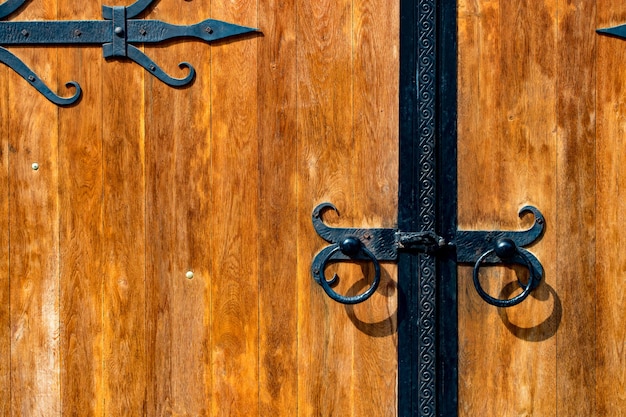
35 166
189 275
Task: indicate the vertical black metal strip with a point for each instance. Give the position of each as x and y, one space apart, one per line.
408 205
447 209
427 346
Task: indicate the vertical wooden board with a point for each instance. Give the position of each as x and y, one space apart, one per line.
80 224
125 348
34 234
610 206
325 155
506 160
576 208
375 176
5 307
278 145
234 208
178 224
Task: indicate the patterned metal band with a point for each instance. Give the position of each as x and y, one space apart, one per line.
426 75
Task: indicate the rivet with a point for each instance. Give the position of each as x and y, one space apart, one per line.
143 32
77 32
35 166
208 29
25 32
152 68
189 275
119 31
31 78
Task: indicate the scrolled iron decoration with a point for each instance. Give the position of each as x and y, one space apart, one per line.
116 33
477 248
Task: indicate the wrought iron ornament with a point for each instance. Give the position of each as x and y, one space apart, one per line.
116 33
472 247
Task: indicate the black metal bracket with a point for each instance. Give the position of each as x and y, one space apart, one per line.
116 33
383 245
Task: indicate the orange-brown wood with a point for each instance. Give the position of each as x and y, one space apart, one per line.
278 210
5 289
326 152
507 149
178 225
34 235
576 209
140 184
80 226
610 202
234 208
123 257
375 46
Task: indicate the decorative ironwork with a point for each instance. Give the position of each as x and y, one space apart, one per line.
617 31
473 247
116 33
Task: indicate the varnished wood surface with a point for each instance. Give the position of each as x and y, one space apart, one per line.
541 122
140 184
611 201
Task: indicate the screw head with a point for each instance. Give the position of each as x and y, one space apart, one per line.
35 166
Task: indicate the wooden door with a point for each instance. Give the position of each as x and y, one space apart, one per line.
156 259
541 121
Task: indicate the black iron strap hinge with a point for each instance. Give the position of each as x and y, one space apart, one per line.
116 33
383 245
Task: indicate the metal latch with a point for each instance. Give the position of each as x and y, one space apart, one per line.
383 245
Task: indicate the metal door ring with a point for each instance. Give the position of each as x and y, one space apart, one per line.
351 247
506 249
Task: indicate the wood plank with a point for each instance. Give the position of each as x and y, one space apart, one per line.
610 206
576 208
507 153
124 249
80 225
34 233
234 208
278 144
5 307
178 225
375 49
326 153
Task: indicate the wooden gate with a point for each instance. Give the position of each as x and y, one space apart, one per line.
156 242
541 121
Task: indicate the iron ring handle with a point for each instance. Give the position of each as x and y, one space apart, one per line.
350 246
506 249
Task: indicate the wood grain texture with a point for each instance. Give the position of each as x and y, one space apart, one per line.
576 209
610 356
123 256
5 289
234 208
179 230
375 46
278 211
140 183
34 235
507 158
325 132
80 226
